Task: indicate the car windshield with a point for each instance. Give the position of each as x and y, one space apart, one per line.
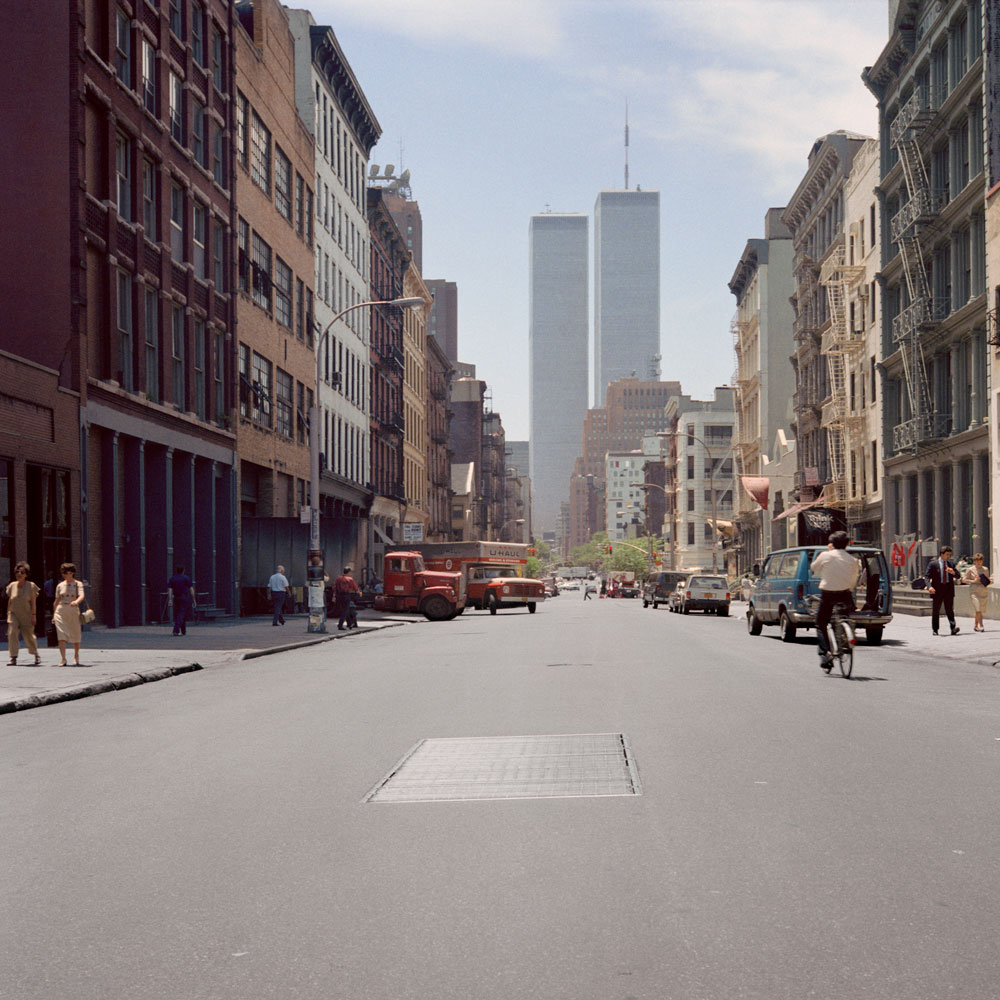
708 583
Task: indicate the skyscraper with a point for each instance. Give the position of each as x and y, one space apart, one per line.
557 356
626 287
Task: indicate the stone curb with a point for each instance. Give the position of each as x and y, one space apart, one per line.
96 687
133 679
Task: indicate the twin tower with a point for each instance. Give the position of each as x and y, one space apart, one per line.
626 326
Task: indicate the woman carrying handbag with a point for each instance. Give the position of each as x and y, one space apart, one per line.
977 576
66 616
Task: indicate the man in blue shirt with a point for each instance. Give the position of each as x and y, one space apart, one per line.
181 598
278 586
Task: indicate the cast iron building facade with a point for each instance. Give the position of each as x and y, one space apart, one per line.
557 339
929 82
626 288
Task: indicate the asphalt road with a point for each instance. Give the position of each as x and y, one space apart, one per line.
797 835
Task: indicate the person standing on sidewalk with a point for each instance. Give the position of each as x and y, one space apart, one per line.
941 577
182 599
22 612
278 586
977 576
66 616
343 587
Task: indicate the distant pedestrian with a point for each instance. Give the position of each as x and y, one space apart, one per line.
182 599
66 616
977 576
941 577
343 587
278 587
746 585
588 590
22 613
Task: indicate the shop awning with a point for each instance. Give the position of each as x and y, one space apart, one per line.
796 508
758 488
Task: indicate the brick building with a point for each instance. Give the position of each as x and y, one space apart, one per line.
389 261
276 363
439 373
136 332
415 435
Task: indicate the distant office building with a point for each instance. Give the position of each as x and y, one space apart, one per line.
406 214
557 346
518 454
626 287
443 324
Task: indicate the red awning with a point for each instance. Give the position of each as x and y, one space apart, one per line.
758 488
796 508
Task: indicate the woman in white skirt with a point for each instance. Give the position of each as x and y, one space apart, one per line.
977 576
66 615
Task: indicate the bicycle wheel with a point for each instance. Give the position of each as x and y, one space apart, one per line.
845 651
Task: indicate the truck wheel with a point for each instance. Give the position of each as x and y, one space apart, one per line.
437 608
655 605
874 634
492 603
754 624
531 607
645 603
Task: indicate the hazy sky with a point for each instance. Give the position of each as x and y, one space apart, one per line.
505 108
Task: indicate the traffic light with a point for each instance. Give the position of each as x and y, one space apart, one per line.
610 548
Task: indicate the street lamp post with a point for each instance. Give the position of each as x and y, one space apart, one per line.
314 568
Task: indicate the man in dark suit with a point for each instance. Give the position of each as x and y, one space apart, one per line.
941 577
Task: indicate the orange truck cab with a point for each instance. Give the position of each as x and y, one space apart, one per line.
409 586
491 573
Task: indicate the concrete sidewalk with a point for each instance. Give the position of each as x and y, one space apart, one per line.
111 659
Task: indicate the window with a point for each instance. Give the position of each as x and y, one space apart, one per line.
283 403
246 387
199 217
123 176
123 47
177 222
198 146
217 59
690 498
218 157
199 369
300 204
260 266
261 380
177 355
198 34
874 465
176 108
300 307
282 293
309 217
175 18
124 374
242 107
219 374
149 200
219 256
244 258
690 534
301 415
282 183
260 153
149 75
152 336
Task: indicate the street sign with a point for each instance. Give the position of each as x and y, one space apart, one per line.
413 531
304 515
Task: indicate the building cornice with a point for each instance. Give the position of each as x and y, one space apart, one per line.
330 61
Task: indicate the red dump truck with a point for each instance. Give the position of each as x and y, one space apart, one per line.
492 572
408 585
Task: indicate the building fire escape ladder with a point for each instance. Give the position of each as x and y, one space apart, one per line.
907 326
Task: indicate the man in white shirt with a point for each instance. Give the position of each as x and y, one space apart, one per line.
278 586
838 571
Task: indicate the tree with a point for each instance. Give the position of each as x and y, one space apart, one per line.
533 568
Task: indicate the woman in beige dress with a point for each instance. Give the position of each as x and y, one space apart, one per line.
974 577
66 616
22 603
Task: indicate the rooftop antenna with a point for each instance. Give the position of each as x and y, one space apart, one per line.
626 144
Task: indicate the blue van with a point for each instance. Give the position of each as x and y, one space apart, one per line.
779 595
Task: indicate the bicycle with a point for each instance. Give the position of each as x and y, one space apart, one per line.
840 639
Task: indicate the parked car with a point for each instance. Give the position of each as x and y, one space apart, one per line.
785 581
703 592
677 596
628 590
659 588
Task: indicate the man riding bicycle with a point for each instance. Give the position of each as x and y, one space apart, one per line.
838 571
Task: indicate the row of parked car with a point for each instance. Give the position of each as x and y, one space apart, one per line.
780 594
687 592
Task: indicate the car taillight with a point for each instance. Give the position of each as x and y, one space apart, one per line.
727 597
800 591
688 594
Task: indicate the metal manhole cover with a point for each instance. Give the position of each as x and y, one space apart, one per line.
511 767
